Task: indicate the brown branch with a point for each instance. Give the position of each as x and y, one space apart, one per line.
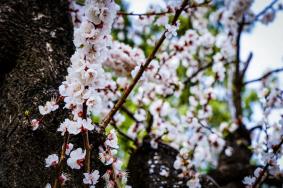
87 146
187 81
149 123
121 132
60 164
129 113
237 79
122 100
264 76
169 11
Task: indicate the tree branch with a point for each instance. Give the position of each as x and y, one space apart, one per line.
122 133
61 160
87 146
129 113
262 12
264 76
160 13
145 14
187 81
246 65
121 101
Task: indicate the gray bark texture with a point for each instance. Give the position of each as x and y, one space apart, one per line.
35 48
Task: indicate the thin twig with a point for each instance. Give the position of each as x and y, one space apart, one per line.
207 128
60 164
269 6
187 81
129 113
254 128
169 11
122 133
122 100
264 76
247 63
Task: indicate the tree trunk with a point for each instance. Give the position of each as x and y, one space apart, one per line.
36 45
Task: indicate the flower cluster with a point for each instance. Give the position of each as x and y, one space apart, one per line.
88 89
76 127
48 107
175 99
76 159
268 146
91 178
87 82
107 156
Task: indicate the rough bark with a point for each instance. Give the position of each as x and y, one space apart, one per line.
146 163
35 47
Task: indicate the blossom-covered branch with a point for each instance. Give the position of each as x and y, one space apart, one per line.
121 101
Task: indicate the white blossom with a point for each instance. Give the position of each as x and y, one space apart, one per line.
69 148
171 30
51 160
76 159
112 140
91 178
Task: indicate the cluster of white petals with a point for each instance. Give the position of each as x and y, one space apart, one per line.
48 107
76 127
87 80
91 178
107 156
76 159
51 160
